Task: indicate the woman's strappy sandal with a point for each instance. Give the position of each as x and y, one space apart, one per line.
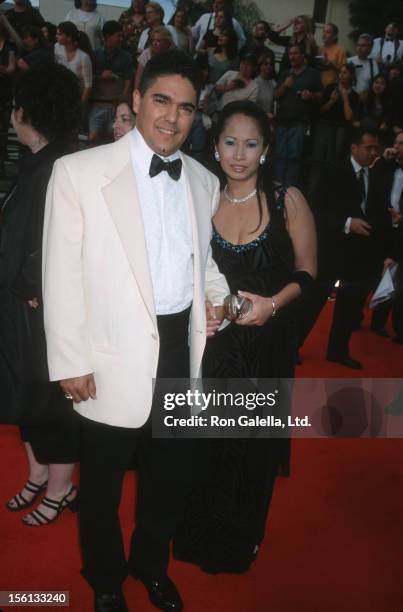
59 506
19 500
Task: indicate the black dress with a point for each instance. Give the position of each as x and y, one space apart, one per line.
46 418
226 516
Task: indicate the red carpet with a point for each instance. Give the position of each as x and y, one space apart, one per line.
335 536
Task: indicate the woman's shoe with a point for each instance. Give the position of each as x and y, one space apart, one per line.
41 519
20 502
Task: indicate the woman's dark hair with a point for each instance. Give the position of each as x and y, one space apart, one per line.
68 28
172 62
180 10
351 69
232 48
371 97
52 31
35 33
264 180
77 4
49 96
228 22
267 54
79 38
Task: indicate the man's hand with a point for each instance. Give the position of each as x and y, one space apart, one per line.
306 95
214 318
389 153
361 227
395 215
289 82
107 75
388 263
79 389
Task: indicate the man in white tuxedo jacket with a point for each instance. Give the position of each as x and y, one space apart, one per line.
127 268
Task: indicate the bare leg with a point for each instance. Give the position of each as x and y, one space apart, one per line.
38 474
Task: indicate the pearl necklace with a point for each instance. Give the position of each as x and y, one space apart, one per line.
233 200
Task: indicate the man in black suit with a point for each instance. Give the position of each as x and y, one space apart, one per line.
356 226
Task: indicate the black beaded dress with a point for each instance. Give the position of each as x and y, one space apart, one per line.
226 517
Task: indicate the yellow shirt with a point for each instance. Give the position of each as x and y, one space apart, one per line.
337 56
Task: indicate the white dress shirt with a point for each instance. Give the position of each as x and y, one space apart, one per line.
167 230
363 72
207 22
389 51
357 170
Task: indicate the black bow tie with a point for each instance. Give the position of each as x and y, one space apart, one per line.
172 167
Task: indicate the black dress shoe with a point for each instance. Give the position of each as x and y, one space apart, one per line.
347 361
110 602
162 592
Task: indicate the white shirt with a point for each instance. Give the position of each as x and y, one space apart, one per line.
397 189
207 22
80 65
388 50
167 230
363 72
145 34
357 169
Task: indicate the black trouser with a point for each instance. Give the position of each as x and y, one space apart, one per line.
350 301
166 467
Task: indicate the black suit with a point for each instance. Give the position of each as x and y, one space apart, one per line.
354 259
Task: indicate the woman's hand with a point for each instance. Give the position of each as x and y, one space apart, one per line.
261 311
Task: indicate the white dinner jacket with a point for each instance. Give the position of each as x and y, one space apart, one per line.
97 289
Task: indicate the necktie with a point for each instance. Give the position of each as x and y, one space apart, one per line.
361 183
172 167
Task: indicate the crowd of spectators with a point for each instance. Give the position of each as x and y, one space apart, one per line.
314 95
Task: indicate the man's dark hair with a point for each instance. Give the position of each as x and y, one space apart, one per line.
300 47
49 96
110 28
266 25
357 135
35 33
172 62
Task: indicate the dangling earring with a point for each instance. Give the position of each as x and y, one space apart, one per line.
262 159
217 155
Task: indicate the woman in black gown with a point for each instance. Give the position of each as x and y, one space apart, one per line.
264 243
46 113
